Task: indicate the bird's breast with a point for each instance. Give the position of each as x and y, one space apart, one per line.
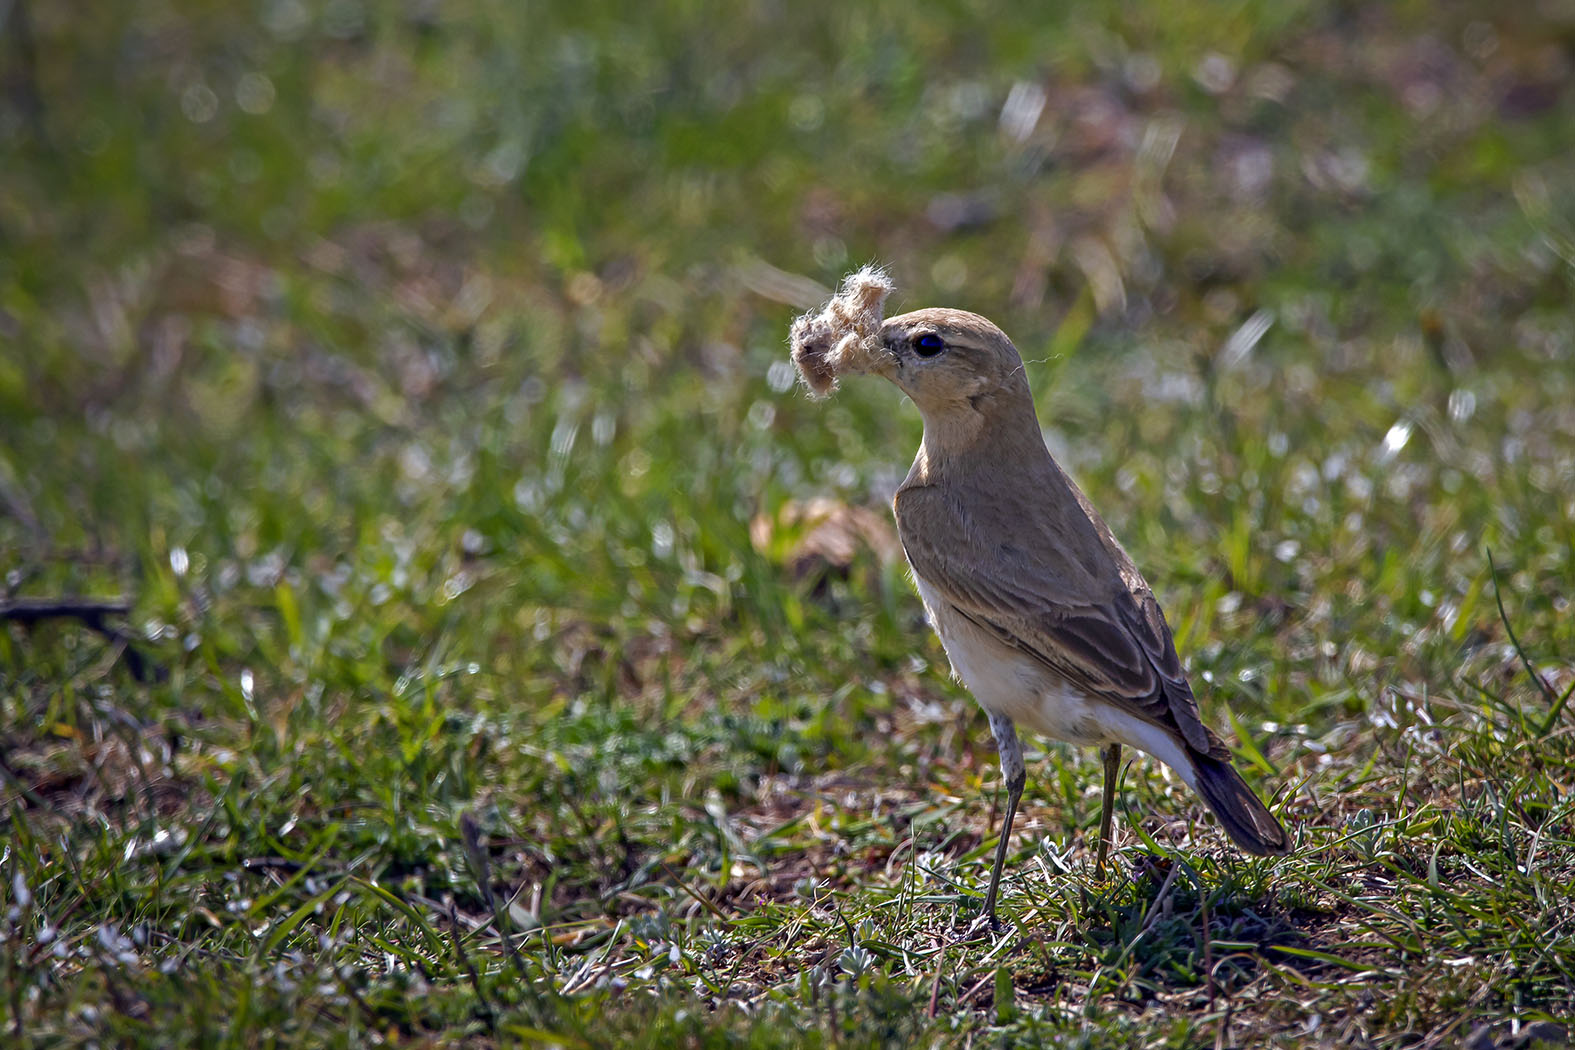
1010 682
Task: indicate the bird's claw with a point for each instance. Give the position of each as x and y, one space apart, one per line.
982 924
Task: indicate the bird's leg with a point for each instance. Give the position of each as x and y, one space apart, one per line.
1012 769
1112 758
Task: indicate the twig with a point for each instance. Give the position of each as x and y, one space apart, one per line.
708 905
91 611
1150 916
967 996
935 986
1543 687
1223 1031
488 1014
1208 944
94 614
471 834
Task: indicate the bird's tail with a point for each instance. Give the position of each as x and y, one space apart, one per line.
1245 818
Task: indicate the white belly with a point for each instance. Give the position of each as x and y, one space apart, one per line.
1016 685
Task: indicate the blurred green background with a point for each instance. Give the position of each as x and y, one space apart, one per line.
417 372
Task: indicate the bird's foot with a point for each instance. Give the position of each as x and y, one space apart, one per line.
984 926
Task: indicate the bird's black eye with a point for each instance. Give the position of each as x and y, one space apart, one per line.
928 345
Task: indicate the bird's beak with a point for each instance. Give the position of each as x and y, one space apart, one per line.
855 356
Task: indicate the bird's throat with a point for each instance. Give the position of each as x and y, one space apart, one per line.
981 431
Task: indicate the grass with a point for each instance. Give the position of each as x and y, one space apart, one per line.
416 374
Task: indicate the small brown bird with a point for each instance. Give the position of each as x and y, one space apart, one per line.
1042 614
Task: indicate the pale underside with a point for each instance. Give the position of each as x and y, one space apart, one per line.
1006 681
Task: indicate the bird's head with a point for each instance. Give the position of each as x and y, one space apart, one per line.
959 369
950 361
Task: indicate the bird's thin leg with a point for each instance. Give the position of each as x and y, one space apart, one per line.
1012 769
1112 757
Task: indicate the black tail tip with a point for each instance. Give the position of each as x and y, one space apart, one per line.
1241 813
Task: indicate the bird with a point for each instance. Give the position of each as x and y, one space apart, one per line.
1043 615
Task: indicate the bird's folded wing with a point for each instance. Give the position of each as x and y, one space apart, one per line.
1115 645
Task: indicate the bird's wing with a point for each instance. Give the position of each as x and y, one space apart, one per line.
1114 644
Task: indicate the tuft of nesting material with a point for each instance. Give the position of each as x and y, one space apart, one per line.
844 335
